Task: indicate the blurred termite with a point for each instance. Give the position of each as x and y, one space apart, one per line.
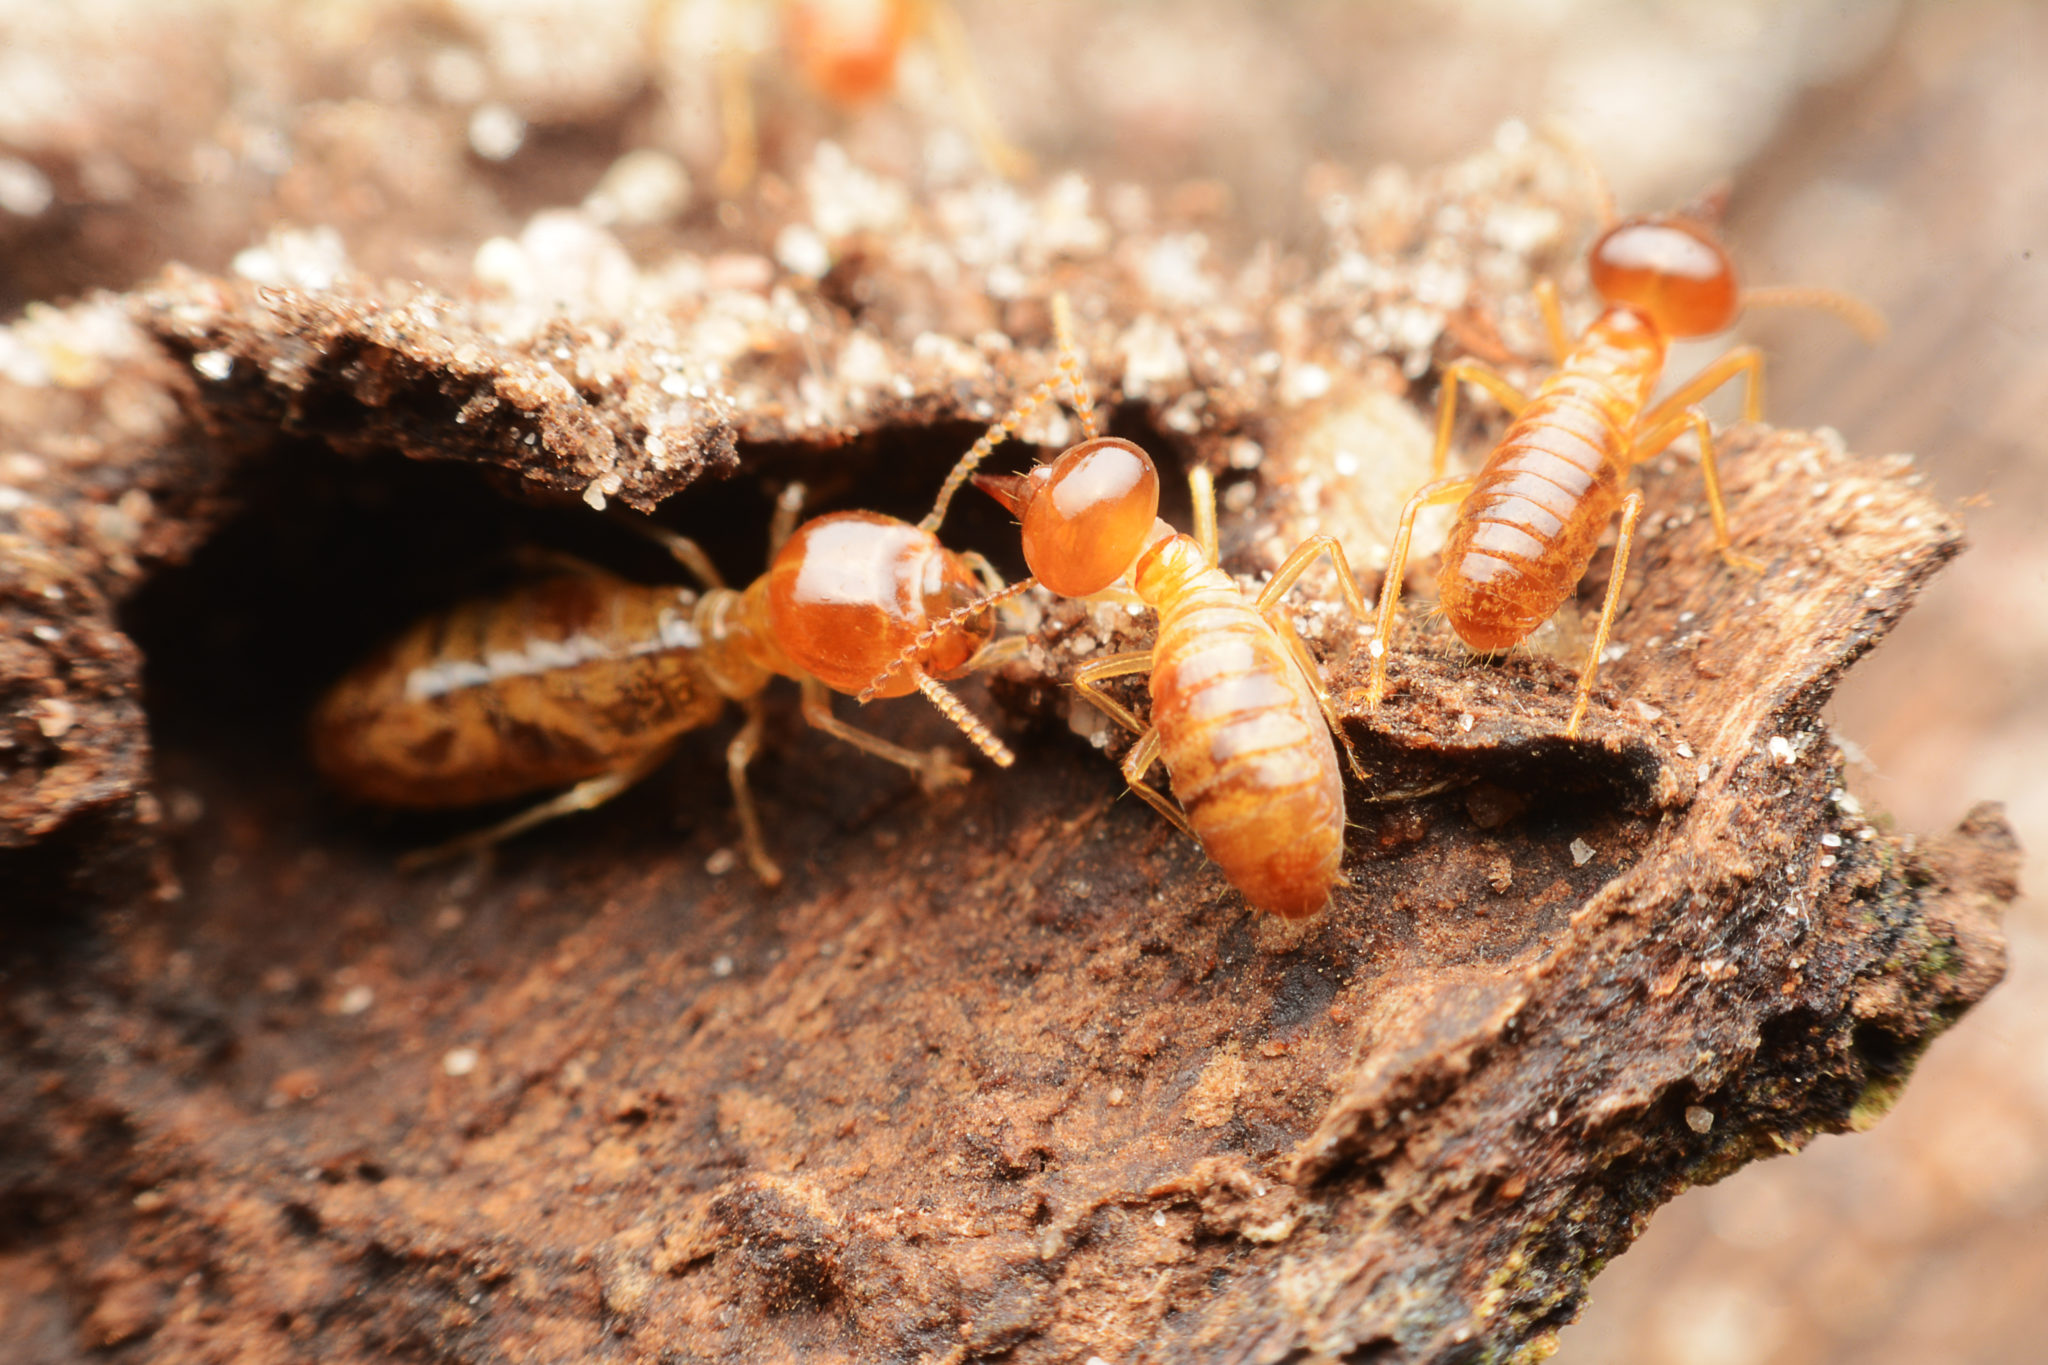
1240 715
1532 516
847 51
585 678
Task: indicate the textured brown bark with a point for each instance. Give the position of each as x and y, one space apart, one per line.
1006 1073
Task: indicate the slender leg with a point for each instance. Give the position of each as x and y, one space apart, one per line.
585 795
1631 508
1312 673
1429 495
789 505
1285 577
1553 318
738 754
1511 398
934 770
1747 361
950 40
1136 763
1006 427
1202 492
735 107
977 562
541 559
1648 443
1088 676
683 550
1292 568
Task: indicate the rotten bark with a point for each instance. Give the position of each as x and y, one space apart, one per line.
1005 1073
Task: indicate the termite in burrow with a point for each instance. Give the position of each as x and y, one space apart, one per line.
1240 715
1531 518
585 678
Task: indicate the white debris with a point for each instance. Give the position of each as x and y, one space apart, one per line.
1698 1119
801 251
642 188
460 1061
496 133
1781 750
721 861
214 365
1582 853
24 191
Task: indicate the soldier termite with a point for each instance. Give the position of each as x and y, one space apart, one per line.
1531 518
584 678
1240 716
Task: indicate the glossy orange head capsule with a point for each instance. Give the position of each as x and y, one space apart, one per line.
1670 269
850 592
847 49
1086 515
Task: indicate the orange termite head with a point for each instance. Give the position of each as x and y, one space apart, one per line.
1672 270
1086 515
850 592
847 49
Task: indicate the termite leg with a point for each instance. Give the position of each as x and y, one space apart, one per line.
1145 752
1746 361
1136 763
1088 677
789 505
1631 509
950 41
1202 492
996 653
738 754
1285 577
1652 441
684 551
1553 318
541 559
1429 495
1292 568
934 770
585 795
735 107
1313 674
1510 397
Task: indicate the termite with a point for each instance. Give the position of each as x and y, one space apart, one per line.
585 679
1240 715
847 51
1531 518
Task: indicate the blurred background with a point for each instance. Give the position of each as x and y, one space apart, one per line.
1897 150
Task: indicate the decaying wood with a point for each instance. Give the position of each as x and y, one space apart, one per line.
1005 1073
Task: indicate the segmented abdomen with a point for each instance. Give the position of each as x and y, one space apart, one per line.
1247 748
549 684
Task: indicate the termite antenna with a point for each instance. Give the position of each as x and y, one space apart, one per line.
1069 372
929 636
955 710
1070 365
1864 318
